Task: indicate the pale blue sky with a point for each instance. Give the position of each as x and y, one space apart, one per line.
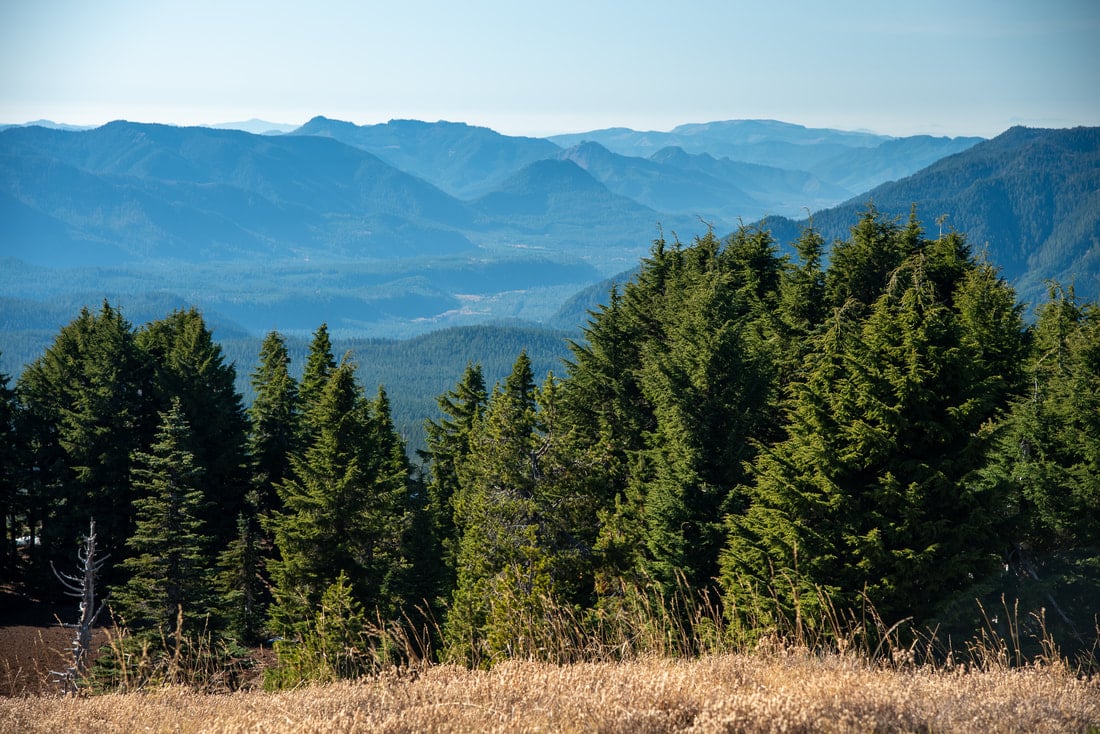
946 67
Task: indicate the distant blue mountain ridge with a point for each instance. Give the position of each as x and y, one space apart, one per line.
406 227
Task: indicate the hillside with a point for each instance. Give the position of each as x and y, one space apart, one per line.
1030 198
126 192
463 160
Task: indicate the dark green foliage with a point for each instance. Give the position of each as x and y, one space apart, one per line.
448 445
1044 468
86 408
242 588
345 506
1052 447
520 521
677 375
274 422
330 645
189 367
11 504
803 441
319 367
874 491
168 556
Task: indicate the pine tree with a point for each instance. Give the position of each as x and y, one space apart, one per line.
274 422
168 558
448 445
190 366
343 508
86 408
874 491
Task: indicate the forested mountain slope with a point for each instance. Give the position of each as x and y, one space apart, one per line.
1029 198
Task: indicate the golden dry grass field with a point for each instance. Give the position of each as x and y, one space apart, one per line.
762 692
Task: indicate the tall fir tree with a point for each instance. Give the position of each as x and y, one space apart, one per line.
874 490
86 408
1047 462
244 594
495 514
274 422
11 460
320 365
190 366
525 524
168 556
343 510
675 377
448 445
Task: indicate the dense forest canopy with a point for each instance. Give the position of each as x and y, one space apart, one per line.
790 438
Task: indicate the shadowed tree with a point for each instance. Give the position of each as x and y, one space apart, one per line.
168 559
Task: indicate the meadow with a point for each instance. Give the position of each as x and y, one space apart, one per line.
767 690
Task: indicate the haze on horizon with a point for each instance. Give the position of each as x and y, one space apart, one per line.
939 67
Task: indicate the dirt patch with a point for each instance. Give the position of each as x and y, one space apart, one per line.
27 655
32 643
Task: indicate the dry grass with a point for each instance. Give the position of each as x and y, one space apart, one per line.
776 690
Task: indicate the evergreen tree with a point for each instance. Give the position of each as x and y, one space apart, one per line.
674 379
189 366
274 422
168 559
802 305
1047 462
860 266
873 492
10 460
242 588
526 525
496 516
448 445
86 409
343 507
320 365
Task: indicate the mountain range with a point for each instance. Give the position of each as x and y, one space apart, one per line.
406 227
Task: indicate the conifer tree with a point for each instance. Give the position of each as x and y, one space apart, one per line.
496 516
1044 468
873 492
274 422
10 461
190 366
168 561
242 588
448 445
525 516
320 365
1048 455
343 508
86 408
859 266
802 308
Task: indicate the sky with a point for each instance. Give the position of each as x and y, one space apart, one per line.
941 67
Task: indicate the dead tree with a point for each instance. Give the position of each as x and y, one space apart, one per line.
81 585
